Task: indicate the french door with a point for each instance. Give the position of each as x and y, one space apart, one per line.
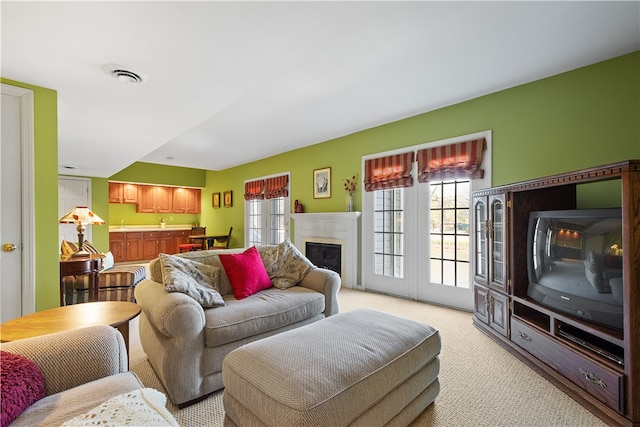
416 240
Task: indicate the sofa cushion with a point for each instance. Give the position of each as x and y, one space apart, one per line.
21 384
209 257
285 264
246 272
68 248
265 311
57 408
108 261
197 280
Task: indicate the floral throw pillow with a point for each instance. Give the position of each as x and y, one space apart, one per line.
197 280
285 264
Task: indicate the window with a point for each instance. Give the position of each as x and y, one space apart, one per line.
266 213
389 232
449 232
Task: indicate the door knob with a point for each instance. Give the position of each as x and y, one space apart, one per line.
9 247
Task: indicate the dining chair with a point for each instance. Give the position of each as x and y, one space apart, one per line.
195 244
222 242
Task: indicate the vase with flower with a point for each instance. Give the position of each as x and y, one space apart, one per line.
350 185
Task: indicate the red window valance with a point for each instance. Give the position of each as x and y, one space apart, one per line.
388 172
254 190
276 187
462 160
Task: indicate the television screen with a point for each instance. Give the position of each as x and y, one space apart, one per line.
575 260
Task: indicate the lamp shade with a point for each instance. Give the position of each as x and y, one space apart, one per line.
81 215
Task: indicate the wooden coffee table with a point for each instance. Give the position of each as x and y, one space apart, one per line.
111 313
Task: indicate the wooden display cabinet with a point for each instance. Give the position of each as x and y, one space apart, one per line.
598 366
490 281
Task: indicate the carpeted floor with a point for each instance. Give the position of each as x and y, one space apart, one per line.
481 383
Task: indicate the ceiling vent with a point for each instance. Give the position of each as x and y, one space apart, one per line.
124 75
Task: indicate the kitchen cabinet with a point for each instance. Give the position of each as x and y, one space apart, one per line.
186 200
150 244
120 192
117 246
155 199
126 246
168 242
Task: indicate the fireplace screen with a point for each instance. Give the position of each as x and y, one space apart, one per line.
325 255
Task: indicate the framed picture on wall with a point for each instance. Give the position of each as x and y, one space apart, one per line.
216 200
228 200
322 183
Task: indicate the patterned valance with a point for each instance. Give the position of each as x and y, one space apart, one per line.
388 172
270 188
461 160
277 187
254 190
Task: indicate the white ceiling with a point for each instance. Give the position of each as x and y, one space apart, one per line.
233 82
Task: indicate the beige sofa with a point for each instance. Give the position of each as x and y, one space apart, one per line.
186 343
82 370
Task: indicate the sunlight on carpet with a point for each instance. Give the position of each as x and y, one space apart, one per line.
481 383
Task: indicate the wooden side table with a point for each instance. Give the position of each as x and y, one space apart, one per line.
76 316
78 266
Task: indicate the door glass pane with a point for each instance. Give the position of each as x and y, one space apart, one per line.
449 232
389 232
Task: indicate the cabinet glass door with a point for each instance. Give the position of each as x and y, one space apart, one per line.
498 270
480 247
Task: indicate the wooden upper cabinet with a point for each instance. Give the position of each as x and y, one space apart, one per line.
120 192
164 199
186 200
146 199
130 193
155 199
115 192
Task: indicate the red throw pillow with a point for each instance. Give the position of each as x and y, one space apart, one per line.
21 384
246 272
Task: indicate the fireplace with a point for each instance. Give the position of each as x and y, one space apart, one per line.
325 255
334 238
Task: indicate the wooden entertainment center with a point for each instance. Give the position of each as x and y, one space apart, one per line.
571 353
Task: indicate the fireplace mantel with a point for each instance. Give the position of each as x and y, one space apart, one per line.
335 227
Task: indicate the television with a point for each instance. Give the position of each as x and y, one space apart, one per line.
574 263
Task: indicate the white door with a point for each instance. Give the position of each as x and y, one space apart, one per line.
72 192
17 255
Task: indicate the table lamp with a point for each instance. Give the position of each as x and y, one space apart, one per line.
82 216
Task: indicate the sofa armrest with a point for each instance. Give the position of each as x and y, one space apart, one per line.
173 314
71 358
327 282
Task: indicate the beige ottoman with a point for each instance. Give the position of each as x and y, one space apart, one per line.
357 368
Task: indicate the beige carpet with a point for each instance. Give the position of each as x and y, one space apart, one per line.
481 383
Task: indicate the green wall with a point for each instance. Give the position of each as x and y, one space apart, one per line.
46 193
586 117
582 118
151 173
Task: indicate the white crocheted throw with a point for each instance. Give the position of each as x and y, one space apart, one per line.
144 407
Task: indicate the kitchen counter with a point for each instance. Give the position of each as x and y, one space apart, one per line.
155 227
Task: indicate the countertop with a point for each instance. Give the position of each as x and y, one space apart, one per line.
155 227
